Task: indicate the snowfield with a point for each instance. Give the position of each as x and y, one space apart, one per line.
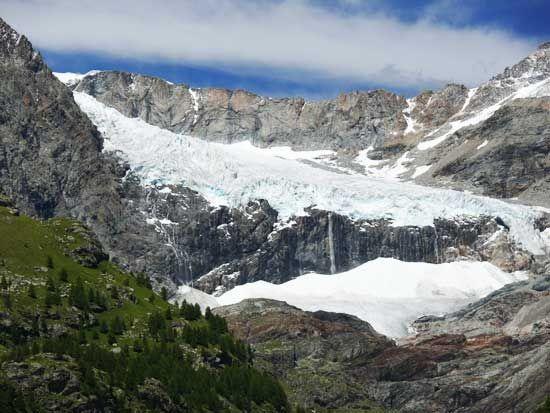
234 174
387 293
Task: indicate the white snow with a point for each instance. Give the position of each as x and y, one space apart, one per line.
194 296
420 170
234 174
538 89
387 293
71 79
482 145
471 94
546 237
383 169
286 152
411 123
196 98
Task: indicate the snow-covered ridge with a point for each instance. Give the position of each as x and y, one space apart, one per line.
387 293
234 174
71 79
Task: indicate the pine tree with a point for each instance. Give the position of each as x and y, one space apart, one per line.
168 314
164 293
35 327
3 283
6 298
43 325
49 262
114 293
63 275
32 291
78 296
111 339
82 336
156 324
104 328
117 325
52 298
50 284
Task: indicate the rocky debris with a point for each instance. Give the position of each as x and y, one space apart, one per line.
155 397
55 383
491 356
88 251
354 120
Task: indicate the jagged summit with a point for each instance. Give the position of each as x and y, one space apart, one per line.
544 46
16 48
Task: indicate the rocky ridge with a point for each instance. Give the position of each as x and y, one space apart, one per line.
491 356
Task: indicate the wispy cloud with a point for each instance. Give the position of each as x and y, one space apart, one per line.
293 36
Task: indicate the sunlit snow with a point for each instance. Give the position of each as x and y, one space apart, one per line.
387 293
234 174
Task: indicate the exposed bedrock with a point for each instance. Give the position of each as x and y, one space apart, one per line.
353 120
224 247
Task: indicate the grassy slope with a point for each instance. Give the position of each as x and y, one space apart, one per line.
25 246
28 248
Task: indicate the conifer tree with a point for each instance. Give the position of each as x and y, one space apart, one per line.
63 275
78 296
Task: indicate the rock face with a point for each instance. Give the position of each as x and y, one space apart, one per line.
506 156
297 345
305 245
56 384
221 247
492 356
51 153
471 361
354 120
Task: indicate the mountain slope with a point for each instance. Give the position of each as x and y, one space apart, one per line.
492 356
79 334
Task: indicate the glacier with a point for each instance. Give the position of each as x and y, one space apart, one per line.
233 174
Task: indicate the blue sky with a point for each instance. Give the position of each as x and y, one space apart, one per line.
311 48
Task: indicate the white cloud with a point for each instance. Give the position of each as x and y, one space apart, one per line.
287 35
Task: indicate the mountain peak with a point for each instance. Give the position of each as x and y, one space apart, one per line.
8 35
17 48
544 46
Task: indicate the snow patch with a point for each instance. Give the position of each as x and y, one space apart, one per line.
411 123
71 79
420 170
383 169
196 98
194 296
387 293
484 144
